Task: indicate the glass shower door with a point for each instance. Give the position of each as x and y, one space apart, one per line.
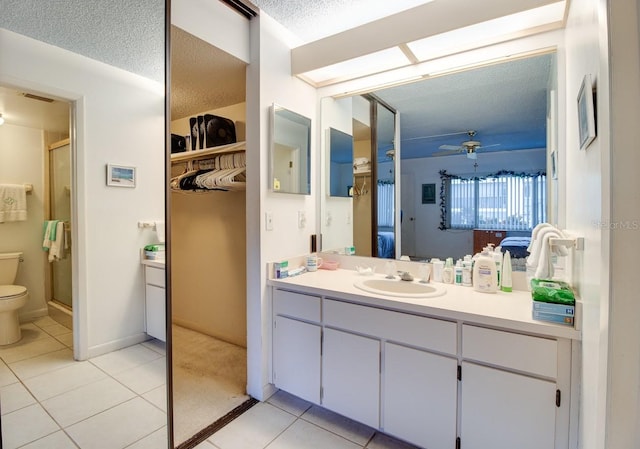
60 194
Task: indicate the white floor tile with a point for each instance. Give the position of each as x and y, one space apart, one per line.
146 377
81 403
156 345
382 441
6 375
26 349
303 434
119 426
125 359
58 440
345 427
65 339
56 329
15 397
65 379
26 425
157 440
158 397
205 445
36 366
255 428
289 403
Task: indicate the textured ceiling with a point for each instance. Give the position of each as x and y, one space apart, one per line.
310 20
128 34
202 76
506 104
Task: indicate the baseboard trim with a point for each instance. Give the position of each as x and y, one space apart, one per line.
121 343
33 315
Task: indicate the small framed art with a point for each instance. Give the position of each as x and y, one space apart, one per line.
428 194
586 113
121 176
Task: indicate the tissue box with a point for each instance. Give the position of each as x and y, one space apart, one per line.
552 317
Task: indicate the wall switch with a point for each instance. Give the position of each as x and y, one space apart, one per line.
268 221
302 219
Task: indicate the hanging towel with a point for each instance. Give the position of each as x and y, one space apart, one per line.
56 251
49 231
13 202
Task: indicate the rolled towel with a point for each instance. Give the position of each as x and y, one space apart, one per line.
534 233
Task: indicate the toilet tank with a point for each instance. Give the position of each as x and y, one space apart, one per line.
9 267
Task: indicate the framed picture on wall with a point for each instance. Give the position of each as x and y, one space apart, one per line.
428 194
586 113
121 176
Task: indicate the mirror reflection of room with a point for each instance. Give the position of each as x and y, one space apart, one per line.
208 267
492 126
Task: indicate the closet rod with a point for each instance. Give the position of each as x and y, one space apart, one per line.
202 154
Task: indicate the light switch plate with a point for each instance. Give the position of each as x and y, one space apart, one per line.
268 221
302 219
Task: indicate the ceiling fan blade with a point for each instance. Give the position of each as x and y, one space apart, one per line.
434 136
445 153
450 147
488 146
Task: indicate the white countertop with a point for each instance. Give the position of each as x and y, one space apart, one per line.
154 263
511 311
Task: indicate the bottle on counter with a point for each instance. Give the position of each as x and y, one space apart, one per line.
447 272
485 274
458 272
506 285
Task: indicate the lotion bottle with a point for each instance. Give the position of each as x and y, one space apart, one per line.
447 272
458 272
485 274
497 258
506 285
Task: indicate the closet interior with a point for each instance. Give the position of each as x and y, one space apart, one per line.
208 243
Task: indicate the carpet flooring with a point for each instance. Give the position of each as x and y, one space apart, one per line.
209 380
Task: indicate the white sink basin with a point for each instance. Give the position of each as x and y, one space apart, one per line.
403 289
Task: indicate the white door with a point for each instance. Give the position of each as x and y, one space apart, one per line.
408 228
503 410
296 358
351 376
420 396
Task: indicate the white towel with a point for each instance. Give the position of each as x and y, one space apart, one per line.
13 202
56 251
534 233
536 244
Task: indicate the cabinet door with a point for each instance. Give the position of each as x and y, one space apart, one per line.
351 376
155 312
296 358
420 396
503 410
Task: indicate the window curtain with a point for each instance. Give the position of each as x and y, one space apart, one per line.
386 195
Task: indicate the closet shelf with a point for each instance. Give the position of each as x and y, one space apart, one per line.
208 152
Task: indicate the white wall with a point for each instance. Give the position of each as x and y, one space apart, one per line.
120 119
22 154
269 81
623 367
584 177
432 242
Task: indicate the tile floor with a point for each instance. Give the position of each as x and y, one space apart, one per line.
118 400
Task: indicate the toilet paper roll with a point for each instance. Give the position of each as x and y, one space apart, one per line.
159 225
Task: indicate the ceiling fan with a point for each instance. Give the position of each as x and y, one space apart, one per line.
469 146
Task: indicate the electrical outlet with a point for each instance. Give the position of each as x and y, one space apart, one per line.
268 221
302 219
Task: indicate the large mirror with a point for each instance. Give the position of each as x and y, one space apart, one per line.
340 163
290 152
472 124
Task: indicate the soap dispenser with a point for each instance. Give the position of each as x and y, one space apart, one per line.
485 274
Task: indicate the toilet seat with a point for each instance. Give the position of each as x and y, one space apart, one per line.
11 291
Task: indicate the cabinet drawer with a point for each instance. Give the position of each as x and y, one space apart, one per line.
427 333
154 276
520 352
296 305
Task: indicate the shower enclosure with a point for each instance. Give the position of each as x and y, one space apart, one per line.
60 209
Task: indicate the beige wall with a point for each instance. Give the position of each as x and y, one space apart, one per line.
208 264
362 204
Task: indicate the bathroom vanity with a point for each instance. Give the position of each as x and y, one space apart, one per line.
155 298
465 369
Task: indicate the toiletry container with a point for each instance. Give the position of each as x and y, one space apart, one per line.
485 275
507 283
457 277
438 268
497 258
447 272
467 267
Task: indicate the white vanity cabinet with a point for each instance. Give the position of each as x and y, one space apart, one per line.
511 390
438 382
155 299
296 344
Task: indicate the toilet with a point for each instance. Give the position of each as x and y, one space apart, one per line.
12 297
